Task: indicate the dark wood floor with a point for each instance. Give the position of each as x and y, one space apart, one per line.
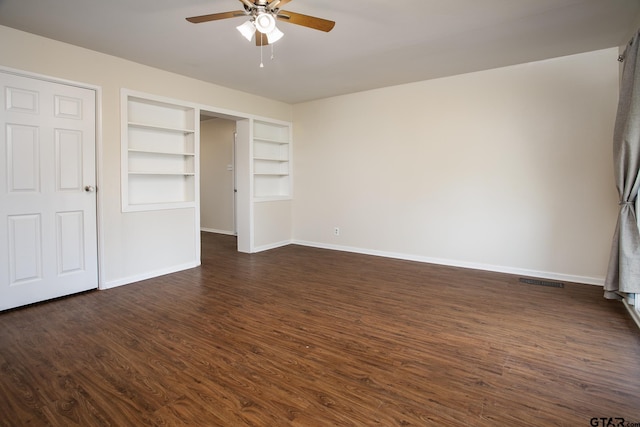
310 337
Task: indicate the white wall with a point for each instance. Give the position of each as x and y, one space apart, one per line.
216 179
134 244
507 169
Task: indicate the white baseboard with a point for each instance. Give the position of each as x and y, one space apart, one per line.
149 275
597 281
271 246
213 230
439 261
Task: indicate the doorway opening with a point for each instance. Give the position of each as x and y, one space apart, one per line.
217 175
225 180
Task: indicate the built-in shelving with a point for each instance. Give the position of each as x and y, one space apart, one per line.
159 155
271 161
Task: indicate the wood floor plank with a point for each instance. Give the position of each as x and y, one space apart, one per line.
21 400
309 337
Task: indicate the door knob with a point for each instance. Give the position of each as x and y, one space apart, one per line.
89 188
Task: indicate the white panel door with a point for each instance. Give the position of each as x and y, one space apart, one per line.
48 234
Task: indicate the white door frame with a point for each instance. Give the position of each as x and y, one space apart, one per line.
98 142
243 205
235 187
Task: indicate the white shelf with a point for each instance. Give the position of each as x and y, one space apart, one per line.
270 140
166 153
160 128
161 173
271 161
159 157
268 159
271 199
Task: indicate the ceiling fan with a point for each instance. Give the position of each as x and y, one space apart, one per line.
262 16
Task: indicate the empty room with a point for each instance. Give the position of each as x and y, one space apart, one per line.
305 213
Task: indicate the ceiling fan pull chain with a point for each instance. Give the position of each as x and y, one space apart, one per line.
261 63
272 49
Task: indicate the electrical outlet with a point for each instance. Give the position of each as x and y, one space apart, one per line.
336 231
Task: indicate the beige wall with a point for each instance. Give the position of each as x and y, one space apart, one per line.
508 169
216 179
136 244
273 224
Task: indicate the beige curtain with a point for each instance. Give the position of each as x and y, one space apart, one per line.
623 275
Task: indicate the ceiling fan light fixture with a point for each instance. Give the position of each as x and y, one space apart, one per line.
274 36
265 22
263 16
247 30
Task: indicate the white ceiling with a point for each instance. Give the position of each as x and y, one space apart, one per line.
375 43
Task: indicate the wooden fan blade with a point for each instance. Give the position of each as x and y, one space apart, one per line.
216 16
277 4
306 21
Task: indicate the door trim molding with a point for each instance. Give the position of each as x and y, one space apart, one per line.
98 142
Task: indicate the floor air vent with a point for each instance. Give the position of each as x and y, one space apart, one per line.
542 283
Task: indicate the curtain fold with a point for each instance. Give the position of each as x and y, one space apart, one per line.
623 275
